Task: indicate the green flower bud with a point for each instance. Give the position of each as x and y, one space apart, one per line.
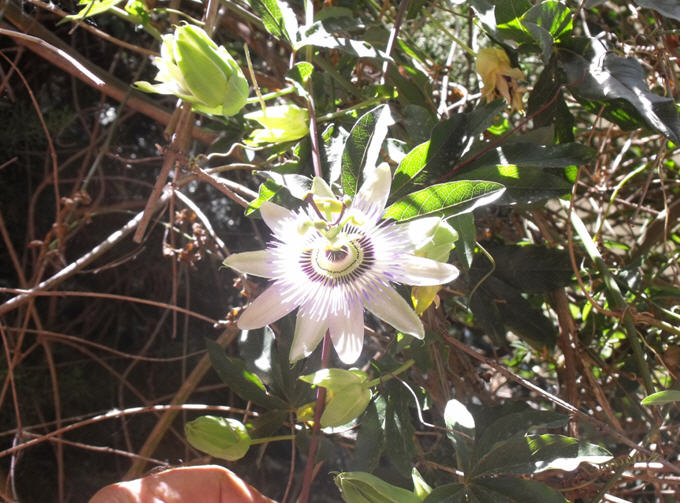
335 379
361 487
194 68
347 397
281 123
432 238
345 404
221 437
423 296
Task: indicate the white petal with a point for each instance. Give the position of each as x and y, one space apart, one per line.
373 194
257 263
421 271
308 334
274 216
390 307
266 309
347 333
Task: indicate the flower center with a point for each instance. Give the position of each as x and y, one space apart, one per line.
338 264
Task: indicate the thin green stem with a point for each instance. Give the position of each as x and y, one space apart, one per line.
266 440
340 113
614 295
394 373
270 96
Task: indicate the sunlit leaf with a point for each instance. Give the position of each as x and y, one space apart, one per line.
445 199
662 397
362 147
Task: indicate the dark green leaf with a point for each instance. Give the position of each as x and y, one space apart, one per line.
497 305
418 122
445 199
535 453
668 8
528 154
400 448
529 171
602 79
363 146
531 268
516 424
524 184
268 423
553 16
464 225
248 386
547 106
449 493
369 444
511 490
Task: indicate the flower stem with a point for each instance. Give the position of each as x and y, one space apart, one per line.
270 96
318 409
265 440
394 373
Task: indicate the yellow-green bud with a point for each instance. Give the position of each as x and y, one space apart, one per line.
423 296
347 397
335 379
221 437
194 68
432 238
361 487
281 123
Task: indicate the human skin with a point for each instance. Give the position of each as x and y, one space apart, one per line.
192 484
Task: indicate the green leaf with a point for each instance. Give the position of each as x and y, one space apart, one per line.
400 448
445 199
524 184
528 154
461 426
530 172
662 397
92 8
449 493
317 35
412 164
601 79
532 268
370 441
449 141
668 8
363 145
551 15
536 453
464 225
516 424
248 386
272 17
497 306
547 106
285 190
511 490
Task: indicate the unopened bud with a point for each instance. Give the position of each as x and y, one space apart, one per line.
221 437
